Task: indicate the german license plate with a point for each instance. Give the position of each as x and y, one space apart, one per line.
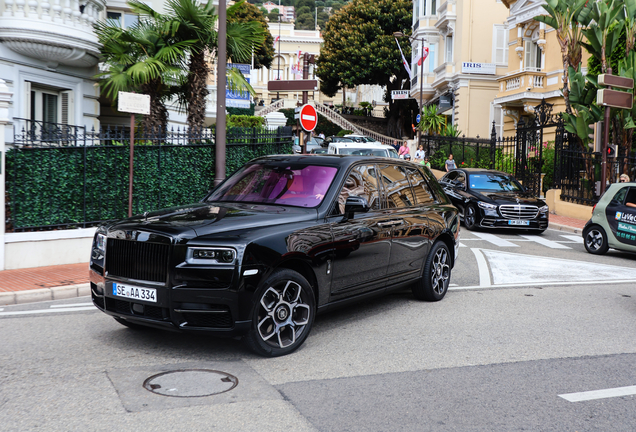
136 293
519 222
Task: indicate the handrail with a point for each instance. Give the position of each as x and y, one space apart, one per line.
344 123
280 103
334 117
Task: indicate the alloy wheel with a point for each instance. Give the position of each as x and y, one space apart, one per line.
440 271
594 240
283 314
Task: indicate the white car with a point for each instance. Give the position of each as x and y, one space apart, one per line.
361 139
362 149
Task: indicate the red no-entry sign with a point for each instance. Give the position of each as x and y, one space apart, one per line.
308 117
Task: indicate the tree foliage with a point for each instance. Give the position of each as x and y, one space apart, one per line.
359 48
245 13
568 18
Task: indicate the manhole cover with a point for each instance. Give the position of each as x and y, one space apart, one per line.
191 383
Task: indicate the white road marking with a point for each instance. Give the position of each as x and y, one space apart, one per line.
45 311
575 239
462 244
599 394
482 265
537 284
71 305
491 238
512 268
545 242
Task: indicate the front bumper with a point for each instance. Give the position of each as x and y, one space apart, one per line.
539 223
193 310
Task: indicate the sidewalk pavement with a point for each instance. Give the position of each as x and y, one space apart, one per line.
71 280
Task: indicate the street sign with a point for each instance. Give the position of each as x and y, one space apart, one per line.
133 103
400 94
308 117
418 118
292 85
615 81
614 98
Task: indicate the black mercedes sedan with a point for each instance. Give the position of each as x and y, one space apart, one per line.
494 199
284 238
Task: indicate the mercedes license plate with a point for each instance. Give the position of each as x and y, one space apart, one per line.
518 222
133 292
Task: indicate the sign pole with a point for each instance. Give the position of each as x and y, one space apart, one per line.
131 163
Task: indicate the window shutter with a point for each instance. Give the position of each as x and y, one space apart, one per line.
68 107
27 101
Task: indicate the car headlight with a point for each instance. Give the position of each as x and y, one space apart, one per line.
544 209
486 206
100 243
205 255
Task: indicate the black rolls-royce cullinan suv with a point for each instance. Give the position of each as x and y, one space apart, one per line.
494 199
282 239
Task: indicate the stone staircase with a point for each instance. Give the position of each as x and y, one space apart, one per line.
334 117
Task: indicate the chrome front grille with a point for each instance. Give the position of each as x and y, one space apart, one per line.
519 211
137 260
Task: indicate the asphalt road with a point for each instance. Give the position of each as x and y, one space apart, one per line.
507 349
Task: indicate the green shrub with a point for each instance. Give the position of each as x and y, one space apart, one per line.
245 121
344 132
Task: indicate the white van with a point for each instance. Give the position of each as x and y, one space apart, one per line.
362 149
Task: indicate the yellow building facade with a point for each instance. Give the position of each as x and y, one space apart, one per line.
535 66
467 45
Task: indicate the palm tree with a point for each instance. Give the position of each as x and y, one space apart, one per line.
140 59
187 21
568 18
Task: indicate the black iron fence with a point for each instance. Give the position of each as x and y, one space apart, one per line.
579 174
54 181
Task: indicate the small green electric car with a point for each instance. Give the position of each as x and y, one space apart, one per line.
613 223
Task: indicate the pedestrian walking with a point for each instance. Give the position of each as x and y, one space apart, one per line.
624 178
450 163
426 163
420 153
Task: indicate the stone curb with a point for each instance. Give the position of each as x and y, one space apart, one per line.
44 294
559 227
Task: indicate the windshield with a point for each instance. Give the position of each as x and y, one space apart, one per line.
297 186
393 153
494 182
362 151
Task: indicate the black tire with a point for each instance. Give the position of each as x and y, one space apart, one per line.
283 314
433 285
130 325
595 240
470 217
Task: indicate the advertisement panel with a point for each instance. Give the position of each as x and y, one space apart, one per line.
238 99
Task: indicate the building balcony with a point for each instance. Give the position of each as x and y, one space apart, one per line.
443 72
528 79
59 32
446 17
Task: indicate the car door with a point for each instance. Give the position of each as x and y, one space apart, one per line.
621 217
410 236
362 243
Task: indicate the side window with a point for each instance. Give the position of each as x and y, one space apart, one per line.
362 182
631 197
396 184
620 195
423 193
450 176
461 177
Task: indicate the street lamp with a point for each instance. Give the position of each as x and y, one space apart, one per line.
399 34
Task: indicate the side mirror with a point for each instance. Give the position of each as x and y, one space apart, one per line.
355 204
